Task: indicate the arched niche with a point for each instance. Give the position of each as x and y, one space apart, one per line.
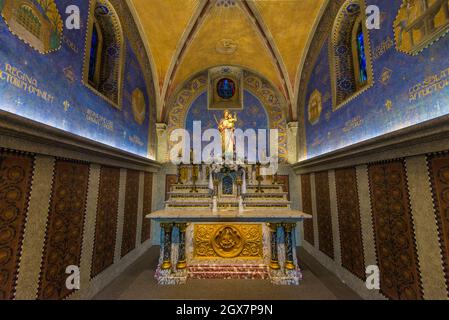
104 52
255 87
350 53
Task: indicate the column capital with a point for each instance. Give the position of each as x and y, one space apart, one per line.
182 226
161 126
167 226
288 227
293 125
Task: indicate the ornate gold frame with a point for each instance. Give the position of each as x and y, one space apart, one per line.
85 77
332 62
214 102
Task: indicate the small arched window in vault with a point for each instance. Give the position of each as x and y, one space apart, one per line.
103 65
351 70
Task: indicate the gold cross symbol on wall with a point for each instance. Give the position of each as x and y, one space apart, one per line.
389 105
66 105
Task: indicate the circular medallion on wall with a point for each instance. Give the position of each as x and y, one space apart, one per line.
36 22
226 46
138 106
226 88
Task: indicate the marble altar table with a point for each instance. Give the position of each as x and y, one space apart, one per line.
254 244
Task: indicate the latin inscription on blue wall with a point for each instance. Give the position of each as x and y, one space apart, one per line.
48 88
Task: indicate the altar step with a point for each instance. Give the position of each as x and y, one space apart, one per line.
248 272
188 205
267 205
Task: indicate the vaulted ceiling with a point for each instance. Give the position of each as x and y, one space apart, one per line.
184 37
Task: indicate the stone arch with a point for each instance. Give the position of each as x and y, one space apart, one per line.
273 102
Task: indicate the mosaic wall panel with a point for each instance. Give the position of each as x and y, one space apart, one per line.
106 220
306 191
351 243
15 184
147 202
64 234
323 207
409 87
49 87
394 233
439 169
130 218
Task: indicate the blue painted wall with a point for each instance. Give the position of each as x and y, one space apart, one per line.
107 124
385 107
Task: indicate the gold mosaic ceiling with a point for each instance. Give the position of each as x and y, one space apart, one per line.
187 36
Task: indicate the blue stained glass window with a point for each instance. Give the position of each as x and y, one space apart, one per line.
361 56
95 42
226 88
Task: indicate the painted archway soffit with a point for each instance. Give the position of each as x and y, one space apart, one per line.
186 36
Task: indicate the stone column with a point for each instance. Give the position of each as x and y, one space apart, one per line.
292 141
288 230
274 263
182 264
162 142
167 229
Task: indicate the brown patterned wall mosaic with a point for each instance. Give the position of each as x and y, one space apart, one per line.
147 202
351 243
106 220
170 180
130 218
394 233
64 236
439 172
306 193
324 216
15 184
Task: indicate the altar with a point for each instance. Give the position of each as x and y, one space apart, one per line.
199 244
227 219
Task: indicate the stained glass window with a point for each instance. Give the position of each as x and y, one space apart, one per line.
361 56
94 48
226 88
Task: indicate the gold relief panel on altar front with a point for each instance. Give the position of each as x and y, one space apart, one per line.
228 241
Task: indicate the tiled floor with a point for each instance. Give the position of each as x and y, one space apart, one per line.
137 282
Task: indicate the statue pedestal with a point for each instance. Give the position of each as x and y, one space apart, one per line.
199 244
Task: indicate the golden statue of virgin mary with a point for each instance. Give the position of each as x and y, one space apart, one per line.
226 126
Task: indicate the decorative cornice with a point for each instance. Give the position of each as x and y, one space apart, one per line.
41 138
426 137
